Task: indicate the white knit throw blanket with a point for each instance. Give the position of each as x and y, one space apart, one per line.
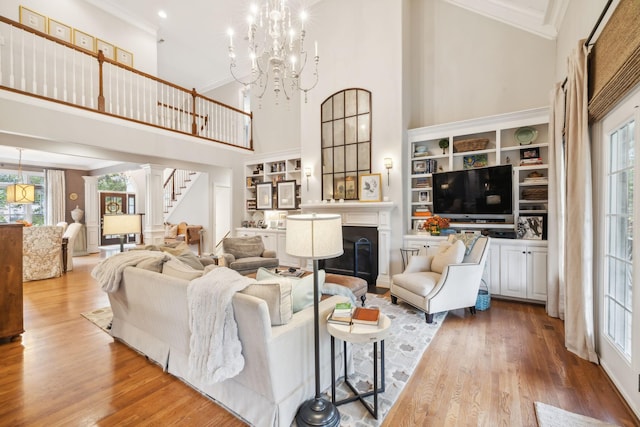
216 351
108 273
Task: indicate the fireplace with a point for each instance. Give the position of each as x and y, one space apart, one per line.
373 220
360 257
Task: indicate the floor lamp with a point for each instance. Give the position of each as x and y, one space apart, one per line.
121 225
315 236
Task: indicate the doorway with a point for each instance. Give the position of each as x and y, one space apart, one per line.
112 203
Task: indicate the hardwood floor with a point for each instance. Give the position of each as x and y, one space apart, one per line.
485 370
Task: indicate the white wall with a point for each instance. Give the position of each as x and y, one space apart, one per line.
96 22
465 65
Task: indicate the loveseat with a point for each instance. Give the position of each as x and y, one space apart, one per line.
151 315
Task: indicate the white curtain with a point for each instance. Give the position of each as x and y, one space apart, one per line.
55 196
556 240
579 316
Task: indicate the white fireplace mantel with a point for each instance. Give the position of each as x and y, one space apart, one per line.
364 214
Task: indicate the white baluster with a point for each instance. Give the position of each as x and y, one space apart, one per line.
117 90
110 86
34 84
23 79
137 95
55 72
173 109
83 89
74 89
91 99
144 100
11 75
64 73
45 87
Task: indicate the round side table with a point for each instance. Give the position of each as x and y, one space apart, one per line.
360 334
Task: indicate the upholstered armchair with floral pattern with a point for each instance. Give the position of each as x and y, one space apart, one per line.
41 252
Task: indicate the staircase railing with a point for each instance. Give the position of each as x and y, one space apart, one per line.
37 64
174 185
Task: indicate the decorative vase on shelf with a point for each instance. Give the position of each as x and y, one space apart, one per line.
444 143
77 214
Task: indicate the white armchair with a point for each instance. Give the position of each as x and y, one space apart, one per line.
446 281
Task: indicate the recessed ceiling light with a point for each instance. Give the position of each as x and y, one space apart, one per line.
162 14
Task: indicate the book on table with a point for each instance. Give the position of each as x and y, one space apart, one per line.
365 316
341 314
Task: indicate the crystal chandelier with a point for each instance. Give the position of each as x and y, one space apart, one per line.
276 50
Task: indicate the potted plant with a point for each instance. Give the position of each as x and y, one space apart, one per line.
444 143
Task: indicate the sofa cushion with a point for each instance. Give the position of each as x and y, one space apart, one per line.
277 294
301 288
242 247
253 263
176 268
417 283
152 264
453 254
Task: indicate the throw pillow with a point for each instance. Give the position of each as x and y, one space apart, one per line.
243 247
175 268
153 264
170 231
469 239
277 294
191 260
301 288
451 255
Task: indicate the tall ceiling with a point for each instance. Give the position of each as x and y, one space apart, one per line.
192 43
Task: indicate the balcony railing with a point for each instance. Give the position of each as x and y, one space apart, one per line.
37 64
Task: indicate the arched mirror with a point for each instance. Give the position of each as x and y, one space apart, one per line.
346 143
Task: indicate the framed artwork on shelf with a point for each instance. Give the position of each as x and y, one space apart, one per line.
124 57
350 188
370 187
84 40
530 227
419 166
60 30
530 153
33 19
423 196
475 161
108 50
264 196
286 192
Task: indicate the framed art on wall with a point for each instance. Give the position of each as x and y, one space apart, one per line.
286 191
60 30
33 19
264 196
370 187
124 57
84 40
108 50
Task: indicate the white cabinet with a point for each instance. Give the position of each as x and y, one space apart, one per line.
523 270
427 245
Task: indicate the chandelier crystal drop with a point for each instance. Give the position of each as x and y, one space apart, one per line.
276 50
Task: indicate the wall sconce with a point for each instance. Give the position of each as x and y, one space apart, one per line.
388 163
307 173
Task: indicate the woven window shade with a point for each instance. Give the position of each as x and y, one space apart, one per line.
615 59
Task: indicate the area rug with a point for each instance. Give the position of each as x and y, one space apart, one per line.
550 416
408 339
101 318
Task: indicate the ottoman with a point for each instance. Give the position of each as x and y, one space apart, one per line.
357 285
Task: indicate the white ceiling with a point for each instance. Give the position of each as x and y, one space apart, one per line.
9 156
193 47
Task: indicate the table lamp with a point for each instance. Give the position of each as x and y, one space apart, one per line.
315 236
121 225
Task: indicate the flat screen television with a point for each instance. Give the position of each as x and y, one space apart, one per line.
475 195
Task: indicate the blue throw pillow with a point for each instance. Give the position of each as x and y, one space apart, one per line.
301 288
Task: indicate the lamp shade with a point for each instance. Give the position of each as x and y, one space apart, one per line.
314 236
21 193
120 224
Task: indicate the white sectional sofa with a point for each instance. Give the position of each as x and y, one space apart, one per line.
150 314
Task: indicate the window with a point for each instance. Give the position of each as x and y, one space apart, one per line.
619 238
33 213
346 143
